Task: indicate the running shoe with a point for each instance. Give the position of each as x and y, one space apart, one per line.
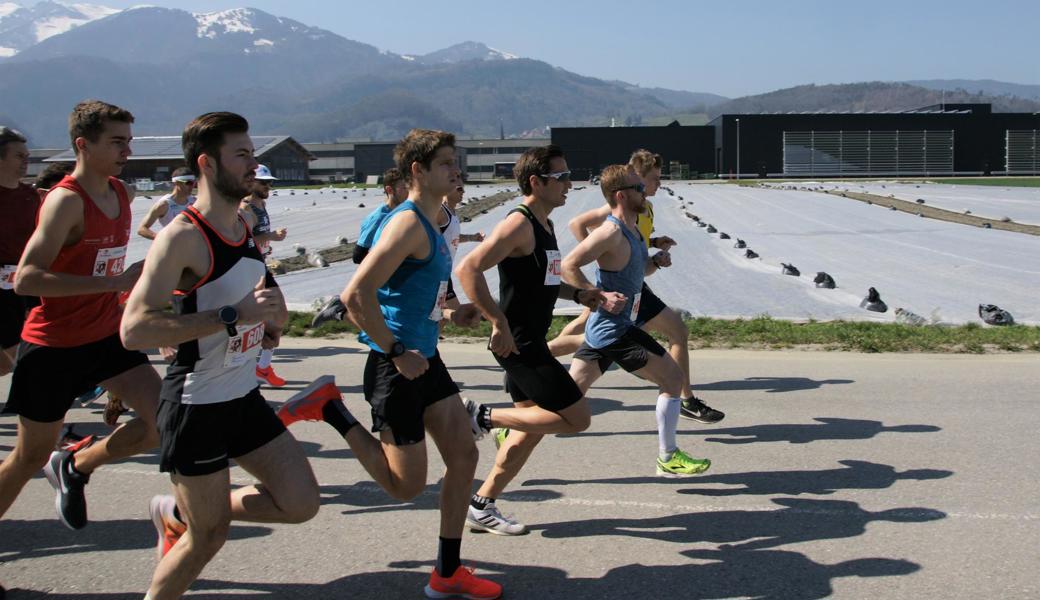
681 465
166 524
90 396
474 423
307 404
69 501
695 409
462 584
72 441
268 375
333 310
493 521
498 434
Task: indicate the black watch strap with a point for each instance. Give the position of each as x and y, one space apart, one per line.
228 315
396 350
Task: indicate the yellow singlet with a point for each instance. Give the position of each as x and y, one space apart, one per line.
645 223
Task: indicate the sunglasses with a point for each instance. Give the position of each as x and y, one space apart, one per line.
639 187
560 176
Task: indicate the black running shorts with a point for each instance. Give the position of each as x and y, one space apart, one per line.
535 375
631 351
47 380
649 305
13 309
199 439
398 403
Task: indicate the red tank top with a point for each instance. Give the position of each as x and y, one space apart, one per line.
68 321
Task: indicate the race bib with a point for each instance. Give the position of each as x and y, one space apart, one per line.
635 306
109 262
552 268
238 347
7 276
438 307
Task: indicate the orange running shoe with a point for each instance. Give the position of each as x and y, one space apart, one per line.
268 375
167 526
462 584
307 404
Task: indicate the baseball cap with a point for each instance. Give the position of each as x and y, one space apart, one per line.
264 174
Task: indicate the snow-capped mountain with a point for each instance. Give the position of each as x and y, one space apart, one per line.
24 26
463 52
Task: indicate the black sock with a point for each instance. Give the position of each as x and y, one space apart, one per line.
177 514
336 414
480 502
484 417
448 556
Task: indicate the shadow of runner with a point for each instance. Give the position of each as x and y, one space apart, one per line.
826 428
770 385
855 475
293 355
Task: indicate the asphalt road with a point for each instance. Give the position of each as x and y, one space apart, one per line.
834 475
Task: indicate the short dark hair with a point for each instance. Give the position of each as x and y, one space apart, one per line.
88 119
52 174
534 162
392 176
205 135
419 146
10 136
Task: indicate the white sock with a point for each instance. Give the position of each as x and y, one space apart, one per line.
265 359
667 423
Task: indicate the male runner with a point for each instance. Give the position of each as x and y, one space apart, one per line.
70 343
211 409
451 228
653 313
50 176
395 298
18 204
255 206
524 248
170 205
622 262
395 186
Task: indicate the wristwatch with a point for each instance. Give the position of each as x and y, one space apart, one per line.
396 350
228 315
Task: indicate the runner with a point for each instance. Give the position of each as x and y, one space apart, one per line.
255 204
451 229
170 205
19 204
622 261
211 411
653 313
524 248
74 262
396 298
395 186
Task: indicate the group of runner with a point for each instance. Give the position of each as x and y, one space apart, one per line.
208 261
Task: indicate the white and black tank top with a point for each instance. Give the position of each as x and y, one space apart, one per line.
218 367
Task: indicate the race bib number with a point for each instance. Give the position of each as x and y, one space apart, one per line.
109 262
635 306
7 276
239 347
438 307
552 268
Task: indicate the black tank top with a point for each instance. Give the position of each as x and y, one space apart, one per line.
529 285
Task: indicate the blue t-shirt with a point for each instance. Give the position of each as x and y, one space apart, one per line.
370 226
604 328
411 300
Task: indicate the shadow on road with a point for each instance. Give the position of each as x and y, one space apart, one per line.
294 355
770 385
825 428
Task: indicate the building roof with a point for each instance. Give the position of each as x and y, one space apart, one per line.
168 147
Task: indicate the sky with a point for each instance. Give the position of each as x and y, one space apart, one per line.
727 47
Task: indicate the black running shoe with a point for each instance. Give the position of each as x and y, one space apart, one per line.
696 410
332 311
70 502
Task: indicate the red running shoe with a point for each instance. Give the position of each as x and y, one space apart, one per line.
268 375
167 526
307 405
462 584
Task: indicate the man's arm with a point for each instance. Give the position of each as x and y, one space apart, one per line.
582 224
471 237
156 212
60 215
275 235
598 243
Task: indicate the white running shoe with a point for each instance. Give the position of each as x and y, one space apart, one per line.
493 521
474 409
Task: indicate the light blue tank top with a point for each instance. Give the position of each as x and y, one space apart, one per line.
411 300
604 328
371 224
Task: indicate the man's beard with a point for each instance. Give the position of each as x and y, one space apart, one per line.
229 187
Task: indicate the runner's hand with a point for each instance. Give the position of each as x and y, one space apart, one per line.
129 276
279 234
411 364
466 315
612 302
662 260
272 337
502 342
260 305
664 243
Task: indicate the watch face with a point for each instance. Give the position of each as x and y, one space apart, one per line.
228 315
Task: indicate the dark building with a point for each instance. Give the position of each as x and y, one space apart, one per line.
590 149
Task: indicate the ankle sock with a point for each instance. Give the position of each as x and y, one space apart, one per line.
480 502
336 414
484 417
448 561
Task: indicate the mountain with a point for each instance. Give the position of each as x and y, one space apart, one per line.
677 98
466 51
863 97
983 86
24 26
